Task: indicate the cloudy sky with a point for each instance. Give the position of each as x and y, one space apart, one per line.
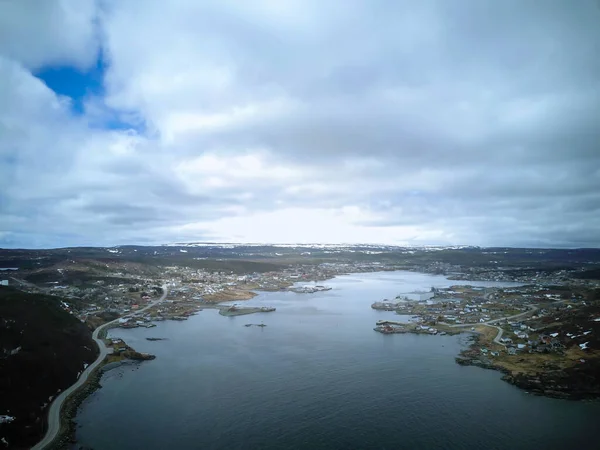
400 122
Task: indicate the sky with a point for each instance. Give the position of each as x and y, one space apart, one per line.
300 121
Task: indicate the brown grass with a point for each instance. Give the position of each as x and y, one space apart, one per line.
230 295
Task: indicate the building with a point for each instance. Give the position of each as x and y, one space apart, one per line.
3 282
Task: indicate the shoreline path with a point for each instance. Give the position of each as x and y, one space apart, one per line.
56 406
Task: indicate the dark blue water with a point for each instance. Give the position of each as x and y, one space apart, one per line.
319 377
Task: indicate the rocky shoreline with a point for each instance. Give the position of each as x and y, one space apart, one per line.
578 383
66 435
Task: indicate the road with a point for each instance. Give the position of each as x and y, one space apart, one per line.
26 283
490 323
55 407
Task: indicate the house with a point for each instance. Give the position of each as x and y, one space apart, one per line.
511 350
3 282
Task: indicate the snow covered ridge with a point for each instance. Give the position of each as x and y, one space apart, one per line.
319 246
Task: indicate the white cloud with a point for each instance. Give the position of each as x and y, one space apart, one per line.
343 121
49 32
311 225
212 170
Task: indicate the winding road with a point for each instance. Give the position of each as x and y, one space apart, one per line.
490 323
54 411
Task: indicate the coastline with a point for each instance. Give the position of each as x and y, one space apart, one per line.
567 374
68 412
552 382
70 406
54 422
462 359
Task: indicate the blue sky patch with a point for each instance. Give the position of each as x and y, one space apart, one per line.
74 83
78 85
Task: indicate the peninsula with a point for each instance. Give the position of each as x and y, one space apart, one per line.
543 338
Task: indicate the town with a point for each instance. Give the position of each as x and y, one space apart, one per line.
190 291
547 321
527 332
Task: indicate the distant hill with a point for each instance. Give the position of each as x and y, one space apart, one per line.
42 349
264 258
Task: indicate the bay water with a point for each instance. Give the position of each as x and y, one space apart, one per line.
318 377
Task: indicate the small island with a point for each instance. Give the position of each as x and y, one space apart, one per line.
241 311
309 289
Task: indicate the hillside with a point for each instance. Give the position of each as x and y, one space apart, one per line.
42 350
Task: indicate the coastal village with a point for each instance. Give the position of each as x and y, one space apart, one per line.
541 330
190 290
526 332
514 318
135 303
517 329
